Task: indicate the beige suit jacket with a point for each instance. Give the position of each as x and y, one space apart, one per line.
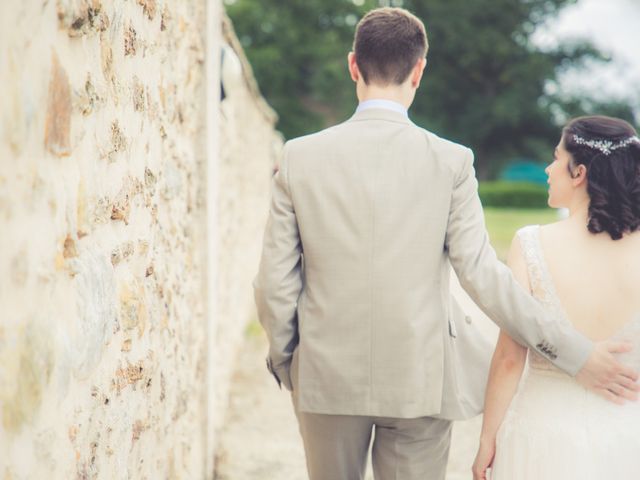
365 220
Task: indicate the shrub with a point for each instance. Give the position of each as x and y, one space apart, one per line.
513 194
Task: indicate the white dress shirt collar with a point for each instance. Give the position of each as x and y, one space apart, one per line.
381 103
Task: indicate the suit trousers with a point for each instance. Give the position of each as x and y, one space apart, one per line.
336 446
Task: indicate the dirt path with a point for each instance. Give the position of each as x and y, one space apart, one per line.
260 440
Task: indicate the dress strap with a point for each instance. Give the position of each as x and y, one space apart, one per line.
541 287
530 245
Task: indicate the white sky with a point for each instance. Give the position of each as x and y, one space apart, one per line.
614 27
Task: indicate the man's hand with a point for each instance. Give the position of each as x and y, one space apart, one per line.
607 377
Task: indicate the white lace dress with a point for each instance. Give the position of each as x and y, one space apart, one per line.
555 429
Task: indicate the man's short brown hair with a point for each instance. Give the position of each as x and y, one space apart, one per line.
387 45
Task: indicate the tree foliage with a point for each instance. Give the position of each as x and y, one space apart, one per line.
486 84
298 51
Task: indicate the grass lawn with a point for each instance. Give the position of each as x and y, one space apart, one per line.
502 224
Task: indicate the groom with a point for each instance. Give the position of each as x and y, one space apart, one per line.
353 290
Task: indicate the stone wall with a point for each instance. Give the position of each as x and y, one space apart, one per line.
121 304
249 150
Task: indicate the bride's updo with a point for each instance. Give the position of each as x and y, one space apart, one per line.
610 150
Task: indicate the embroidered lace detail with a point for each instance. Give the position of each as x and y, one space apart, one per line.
541 288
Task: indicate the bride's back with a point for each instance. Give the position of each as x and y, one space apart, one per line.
588 264
597 279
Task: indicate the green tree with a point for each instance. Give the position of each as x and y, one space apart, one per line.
298 50
485 83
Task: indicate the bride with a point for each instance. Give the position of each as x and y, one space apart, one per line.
539 423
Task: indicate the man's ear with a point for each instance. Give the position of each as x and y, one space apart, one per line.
418 70
353 67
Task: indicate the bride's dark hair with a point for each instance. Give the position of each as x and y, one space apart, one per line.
613 175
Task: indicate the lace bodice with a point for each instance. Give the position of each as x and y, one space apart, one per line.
543 289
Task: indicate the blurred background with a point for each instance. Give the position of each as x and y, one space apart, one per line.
502 77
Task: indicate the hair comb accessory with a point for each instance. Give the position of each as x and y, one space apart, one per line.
606 146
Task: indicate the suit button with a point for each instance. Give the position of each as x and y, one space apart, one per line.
467 319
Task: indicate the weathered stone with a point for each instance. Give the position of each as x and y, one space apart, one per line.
121 206
130 41
31 368
118 140
138 95
152 106
122 252
88 99
121 211
143 247
148 7
129 375
133 309
59 261
106 57
57 128
126 345
138 427
73 433
79 17
165 18
69 248
149 180
82 219
19 269
101 212
106 247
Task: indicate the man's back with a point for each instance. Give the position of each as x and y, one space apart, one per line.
371 198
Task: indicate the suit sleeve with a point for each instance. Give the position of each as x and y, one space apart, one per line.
491 285
279 280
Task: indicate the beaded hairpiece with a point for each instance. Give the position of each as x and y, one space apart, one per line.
606 146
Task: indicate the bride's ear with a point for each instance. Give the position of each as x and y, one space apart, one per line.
579 175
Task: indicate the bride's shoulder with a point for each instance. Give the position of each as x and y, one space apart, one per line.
526 230
555 229
521 244
528 237
543 229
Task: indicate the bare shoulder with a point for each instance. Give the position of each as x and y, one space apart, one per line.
554 230
517 257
